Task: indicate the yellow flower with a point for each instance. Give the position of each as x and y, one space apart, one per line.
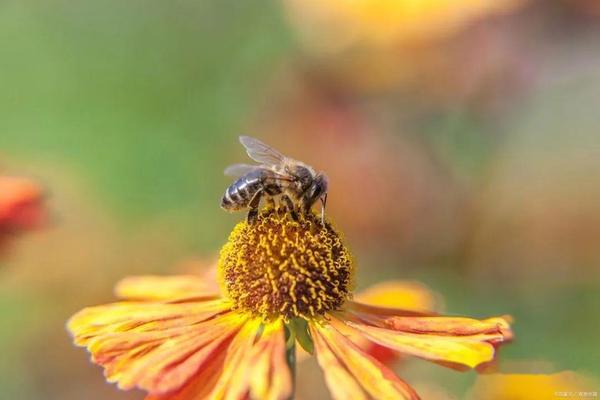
380 45
334 25
283 282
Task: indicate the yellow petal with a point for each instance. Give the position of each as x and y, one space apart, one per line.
233 382
340 381
127 316
459 326
201 384
271 376
301 355
448 340
408 296
257 368
372 309
376 380
154 287
175 360
157 347
400 294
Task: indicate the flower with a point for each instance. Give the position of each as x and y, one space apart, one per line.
449 49
405 295
283 282
336 24
20 206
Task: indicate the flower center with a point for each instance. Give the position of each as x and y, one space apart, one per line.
280 268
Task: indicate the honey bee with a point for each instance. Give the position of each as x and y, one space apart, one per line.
278 179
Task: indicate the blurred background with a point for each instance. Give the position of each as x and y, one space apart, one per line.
461 138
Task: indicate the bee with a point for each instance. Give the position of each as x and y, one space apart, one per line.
277 178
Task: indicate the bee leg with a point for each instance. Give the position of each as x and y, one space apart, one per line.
290 206
306 206
271 203
253 205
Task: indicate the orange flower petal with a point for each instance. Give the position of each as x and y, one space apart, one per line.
256 369
271 377
20 203
347 368
155 287
459 326
92 322
164 368
200 385
154 346
405 295
452 341
340 381
233 382
372 309
20 206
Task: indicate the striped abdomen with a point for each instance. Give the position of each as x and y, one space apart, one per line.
240 193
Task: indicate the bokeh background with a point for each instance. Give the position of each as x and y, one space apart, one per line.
461 138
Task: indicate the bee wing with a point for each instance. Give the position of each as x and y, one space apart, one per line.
261 152
237 170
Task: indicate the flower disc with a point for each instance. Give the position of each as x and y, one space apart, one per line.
280 268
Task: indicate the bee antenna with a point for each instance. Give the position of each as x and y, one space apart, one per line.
323 205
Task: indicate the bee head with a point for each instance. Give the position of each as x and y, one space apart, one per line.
317 190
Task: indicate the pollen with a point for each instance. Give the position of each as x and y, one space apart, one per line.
278 267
